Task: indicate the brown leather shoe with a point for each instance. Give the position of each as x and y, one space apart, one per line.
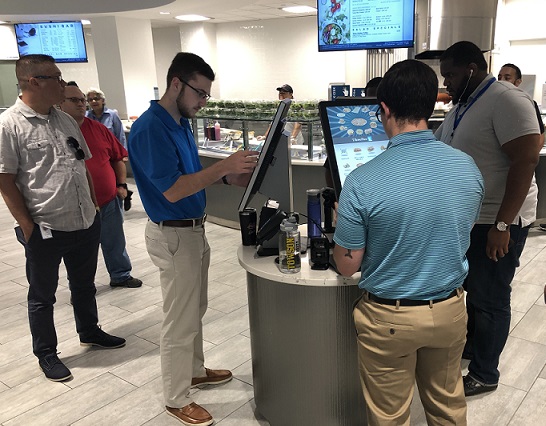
213 377
191 415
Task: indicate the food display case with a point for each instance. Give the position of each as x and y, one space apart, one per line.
243 122
238 126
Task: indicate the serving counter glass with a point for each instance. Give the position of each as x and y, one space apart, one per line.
240 125
303 342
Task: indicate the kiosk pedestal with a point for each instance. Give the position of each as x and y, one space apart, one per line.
304 356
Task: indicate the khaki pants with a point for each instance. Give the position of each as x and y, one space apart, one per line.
398 346
182 256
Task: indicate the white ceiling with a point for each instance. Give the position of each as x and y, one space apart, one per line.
218 10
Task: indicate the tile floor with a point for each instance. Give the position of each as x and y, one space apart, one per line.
124 386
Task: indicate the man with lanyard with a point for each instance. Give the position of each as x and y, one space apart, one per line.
411 320
171 183
495 123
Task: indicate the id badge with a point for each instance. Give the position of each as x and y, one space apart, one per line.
46 232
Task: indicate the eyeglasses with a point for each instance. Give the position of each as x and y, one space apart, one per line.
73 143
59 78
76 100
201 93
378 113
96 99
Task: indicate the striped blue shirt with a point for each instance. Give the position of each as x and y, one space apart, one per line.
412 208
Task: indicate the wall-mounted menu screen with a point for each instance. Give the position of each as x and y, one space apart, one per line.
62 40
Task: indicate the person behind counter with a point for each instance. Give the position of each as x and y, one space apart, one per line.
292 127
512 74
171 183
495 123
405 218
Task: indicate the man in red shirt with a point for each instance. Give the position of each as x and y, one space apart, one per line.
108 172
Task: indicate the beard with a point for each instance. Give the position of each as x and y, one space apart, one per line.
183 109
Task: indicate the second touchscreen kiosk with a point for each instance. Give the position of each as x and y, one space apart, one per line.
353 135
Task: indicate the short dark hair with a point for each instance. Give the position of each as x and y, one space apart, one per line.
27 65
409 88
371 87
72 83
515 68
186 65
464 53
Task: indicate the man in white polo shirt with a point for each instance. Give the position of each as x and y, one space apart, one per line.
495 123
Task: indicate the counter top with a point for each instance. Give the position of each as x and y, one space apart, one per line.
295 161
265 267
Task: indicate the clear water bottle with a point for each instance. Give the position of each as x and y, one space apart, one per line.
289 247
314 217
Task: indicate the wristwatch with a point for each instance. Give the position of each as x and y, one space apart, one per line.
501 226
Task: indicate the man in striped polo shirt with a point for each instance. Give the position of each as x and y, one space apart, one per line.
405 218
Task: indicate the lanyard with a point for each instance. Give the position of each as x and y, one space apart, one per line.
458 117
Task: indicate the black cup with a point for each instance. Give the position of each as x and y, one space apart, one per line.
247 219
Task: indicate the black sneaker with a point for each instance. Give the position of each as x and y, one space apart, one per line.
542 226
129 283
102 340
127 201
473 387
54 369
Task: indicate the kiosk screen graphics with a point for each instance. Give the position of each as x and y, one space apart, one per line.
353 135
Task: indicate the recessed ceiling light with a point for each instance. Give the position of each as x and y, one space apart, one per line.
191 18
164 13
299 9
86 22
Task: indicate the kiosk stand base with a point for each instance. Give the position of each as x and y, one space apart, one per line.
304 356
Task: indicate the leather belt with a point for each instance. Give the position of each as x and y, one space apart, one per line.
407 302
183 223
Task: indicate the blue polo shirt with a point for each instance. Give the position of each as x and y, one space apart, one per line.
160 151
412 208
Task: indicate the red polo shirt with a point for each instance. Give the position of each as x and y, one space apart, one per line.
105 149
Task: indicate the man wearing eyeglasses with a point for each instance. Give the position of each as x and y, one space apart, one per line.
49 192
106 116
108 171
171 183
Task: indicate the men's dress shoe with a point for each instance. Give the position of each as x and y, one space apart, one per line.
473 387
54 369
127 201
213 377
102 340
191 415
129 283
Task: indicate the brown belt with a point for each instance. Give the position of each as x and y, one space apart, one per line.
183 223
407 302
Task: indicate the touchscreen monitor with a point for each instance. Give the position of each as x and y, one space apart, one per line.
353 135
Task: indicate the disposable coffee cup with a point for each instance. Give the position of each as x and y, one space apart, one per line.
247 220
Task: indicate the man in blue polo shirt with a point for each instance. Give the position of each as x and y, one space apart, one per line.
171 183
405 218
